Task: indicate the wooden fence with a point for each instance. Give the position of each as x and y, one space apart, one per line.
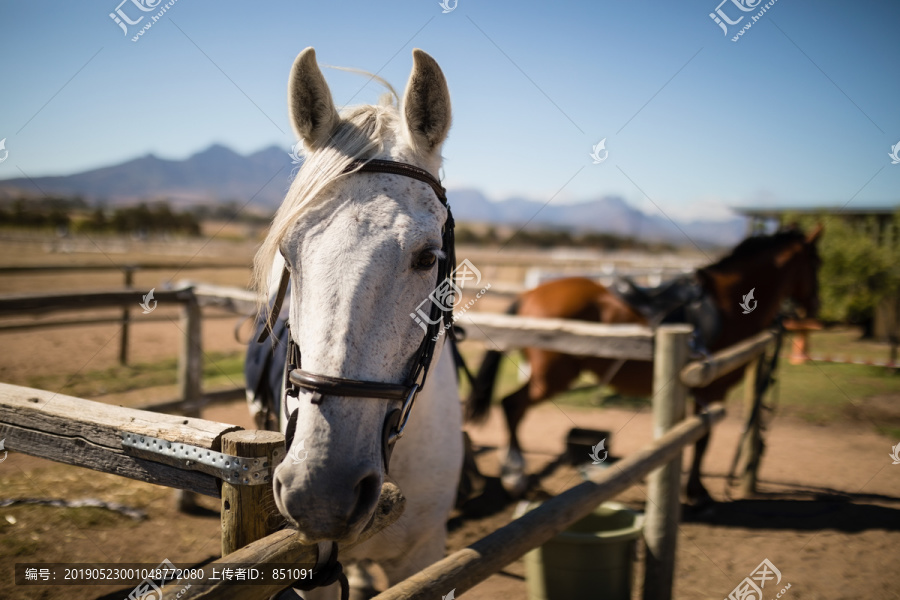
668 347
167 450
127 271
129 442
190 297
746 355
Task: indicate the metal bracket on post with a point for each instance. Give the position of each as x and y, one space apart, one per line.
233 469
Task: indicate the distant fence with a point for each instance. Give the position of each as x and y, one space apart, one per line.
608 273
157 246
190 297
127 270
514 273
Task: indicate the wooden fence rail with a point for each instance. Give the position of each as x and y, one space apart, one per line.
745 354
236 300
465 568
282 547
89 434
53 323
703 372
142 266
504 332
16 305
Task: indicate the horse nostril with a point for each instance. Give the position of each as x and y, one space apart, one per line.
367 491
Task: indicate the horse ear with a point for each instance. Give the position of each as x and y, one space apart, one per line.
312 111
813 236
426 103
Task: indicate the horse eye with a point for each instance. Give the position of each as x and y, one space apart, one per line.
425 260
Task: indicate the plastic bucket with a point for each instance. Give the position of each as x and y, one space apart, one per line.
594 558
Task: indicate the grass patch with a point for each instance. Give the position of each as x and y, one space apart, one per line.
218 369
87 516
513 372
891 432
819 393
845 342
37 525
11 545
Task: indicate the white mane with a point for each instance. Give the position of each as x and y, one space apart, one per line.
361 134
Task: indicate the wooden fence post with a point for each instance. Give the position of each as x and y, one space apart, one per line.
190 377
126 320
280 548
248 511
663 510
190 361
750 448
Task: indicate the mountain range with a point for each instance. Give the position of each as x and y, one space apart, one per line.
218 175
607 214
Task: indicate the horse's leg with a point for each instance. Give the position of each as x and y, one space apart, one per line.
551 373
471 481
512 471
697 495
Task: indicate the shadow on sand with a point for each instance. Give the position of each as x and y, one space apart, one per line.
800 508
808 509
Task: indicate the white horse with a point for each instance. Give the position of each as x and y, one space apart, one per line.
363 250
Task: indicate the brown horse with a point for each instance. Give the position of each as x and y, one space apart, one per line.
778 267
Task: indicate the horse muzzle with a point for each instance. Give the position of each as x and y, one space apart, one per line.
327 502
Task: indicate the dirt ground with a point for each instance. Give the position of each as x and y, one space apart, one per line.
827 514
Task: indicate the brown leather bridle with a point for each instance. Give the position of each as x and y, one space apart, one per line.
441 317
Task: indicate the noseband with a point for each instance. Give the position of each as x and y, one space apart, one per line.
441 316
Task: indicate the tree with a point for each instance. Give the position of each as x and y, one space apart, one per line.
858 269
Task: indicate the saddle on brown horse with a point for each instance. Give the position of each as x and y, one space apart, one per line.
679 300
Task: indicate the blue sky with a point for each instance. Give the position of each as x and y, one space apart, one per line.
802 110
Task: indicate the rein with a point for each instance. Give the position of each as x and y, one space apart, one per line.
441 317
765 376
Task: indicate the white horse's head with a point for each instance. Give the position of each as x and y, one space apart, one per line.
363 250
